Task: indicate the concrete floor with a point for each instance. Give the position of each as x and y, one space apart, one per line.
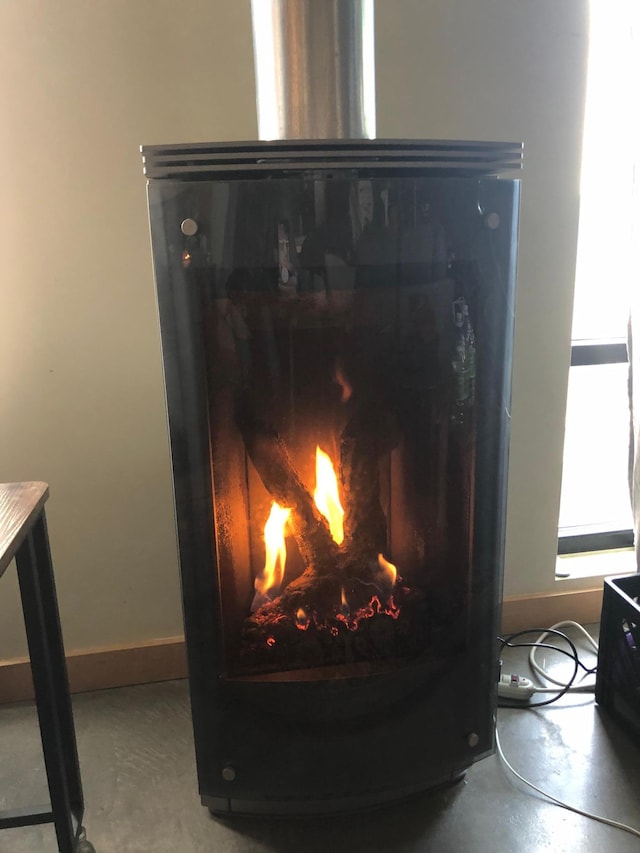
136 753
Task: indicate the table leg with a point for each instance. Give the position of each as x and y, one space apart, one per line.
51 684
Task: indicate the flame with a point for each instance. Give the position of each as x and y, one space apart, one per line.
275 555
326 495
302 620
344 604
269 583
388 568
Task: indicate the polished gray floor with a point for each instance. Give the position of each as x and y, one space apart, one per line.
136 753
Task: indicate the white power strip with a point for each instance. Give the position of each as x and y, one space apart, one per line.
515 687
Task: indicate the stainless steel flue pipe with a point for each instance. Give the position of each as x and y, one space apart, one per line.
315 72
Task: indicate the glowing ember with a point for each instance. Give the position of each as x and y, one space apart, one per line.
302 620
375 607
388 568
326 495
270 580
271 641
392 609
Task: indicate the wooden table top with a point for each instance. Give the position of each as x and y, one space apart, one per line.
20 507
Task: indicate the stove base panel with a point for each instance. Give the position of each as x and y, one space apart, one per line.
223 807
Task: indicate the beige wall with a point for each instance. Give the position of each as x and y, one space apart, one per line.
512 70
82 84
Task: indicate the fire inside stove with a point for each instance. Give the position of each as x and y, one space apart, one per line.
371 576
339 339
348 601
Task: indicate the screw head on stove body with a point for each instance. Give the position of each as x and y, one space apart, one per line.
189 227
228 773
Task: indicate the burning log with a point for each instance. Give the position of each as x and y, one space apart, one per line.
312 592
337 565
269 455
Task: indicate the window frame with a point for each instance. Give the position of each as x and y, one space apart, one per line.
595 537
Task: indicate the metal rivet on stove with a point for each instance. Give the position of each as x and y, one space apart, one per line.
189 227
228 773
473 739
492 221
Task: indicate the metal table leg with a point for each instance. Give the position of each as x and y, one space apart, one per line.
51 684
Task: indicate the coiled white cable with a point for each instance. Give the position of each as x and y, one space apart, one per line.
576 688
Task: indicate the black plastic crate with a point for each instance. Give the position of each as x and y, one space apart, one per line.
618 677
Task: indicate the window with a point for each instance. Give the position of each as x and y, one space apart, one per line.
595 512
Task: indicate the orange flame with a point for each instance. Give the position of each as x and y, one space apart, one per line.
388 568
302 620
326 495
344 606
275 555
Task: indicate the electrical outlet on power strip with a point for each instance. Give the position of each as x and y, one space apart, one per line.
515 687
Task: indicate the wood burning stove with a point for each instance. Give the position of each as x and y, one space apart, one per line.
336 327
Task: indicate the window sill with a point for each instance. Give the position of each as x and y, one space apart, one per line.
595 564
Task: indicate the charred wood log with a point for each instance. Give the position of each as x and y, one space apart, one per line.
367 436
335 578
313 593
349 588
269 455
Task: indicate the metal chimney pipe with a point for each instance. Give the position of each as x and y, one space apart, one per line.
315 72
